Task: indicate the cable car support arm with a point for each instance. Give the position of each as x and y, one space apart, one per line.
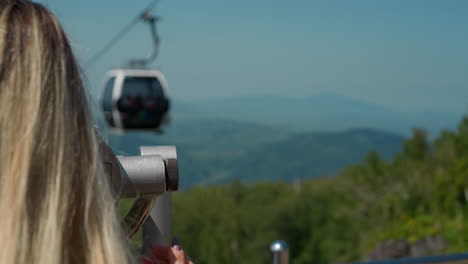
142 63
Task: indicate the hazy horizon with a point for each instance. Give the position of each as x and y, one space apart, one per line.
319 94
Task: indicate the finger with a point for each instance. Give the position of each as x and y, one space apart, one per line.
177 255
160 252
189 259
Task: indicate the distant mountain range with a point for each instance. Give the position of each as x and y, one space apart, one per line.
279 138
219 151
323 112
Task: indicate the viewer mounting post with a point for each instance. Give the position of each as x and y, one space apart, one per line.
279 252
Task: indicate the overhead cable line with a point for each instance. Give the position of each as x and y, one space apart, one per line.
119 35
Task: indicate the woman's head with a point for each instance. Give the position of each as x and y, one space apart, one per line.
55 203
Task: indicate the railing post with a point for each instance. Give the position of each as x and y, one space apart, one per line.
279 252
157 228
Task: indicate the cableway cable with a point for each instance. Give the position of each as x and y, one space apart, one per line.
119 35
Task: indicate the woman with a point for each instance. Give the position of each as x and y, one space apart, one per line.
55 203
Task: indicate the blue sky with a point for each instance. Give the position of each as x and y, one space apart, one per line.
399 53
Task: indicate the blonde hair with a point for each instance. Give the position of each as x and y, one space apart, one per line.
55 203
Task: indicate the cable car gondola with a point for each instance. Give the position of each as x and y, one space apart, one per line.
135 99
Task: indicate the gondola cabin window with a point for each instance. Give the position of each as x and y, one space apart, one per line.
141 103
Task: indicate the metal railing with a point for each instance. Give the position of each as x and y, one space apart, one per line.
452 258
280 255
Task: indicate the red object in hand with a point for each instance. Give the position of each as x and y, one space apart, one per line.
167 255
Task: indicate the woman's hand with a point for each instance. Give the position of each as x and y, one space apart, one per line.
167 255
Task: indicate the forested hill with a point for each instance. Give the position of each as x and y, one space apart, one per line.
415 204
311 155
220 151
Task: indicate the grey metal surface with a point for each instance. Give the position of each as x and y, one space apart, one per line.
157 228
279 252
169 153
145 176
113 169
